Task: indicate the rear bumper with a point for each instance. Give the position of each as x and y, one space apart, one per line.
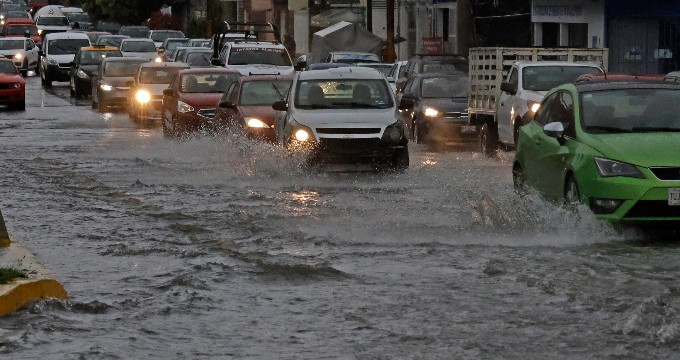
12 96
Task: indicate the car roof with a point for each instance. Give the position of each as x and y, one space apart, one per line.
138 40
623 85
67 35
440 75
350 72
265 78
164 64
209 70
353 53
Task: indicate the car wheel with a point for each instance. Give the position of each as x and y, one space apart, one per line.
519 180
571 193
400 160
166 130
488 139
419 136
46 81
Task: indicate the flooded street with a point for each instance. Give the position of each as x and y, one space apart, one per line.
217 247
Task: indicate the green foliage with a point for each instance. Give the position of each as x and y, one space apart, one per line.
126 12
9 274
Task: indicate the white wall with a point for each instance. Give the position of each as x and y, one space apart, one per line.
591 12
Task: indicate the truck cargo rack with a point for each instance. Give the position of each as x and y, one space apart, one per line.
251 32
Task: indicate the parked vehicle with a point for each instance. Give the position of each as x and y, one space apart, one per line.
136 47
110 86
146 91
247 106
159 36
141 32
58 52
84 67
610 145
344 115
506 83
189 103
12 86
23 51
435 109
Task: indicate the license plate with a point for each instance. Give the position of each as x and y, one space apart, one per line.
468 129
674 197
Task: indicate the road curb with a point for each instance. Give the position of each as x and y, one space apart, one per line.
39 283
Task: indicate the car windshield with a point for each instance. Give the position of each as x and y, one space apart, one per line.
11 44
52 21
162 35
7 67
21 30
73 17
250 56
138 46
96 57
17 15
174 44
263 92
445 66
66 46
345 93
199 43
630 110
383 68
544 78
445 87
110 40
159 75
135 32
199 58
122 68
354 58
206 83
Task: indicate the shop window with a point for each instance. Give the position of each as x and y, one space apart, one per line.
578 35
551 35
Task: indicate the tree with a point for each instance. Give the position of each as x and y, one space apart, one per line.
127 12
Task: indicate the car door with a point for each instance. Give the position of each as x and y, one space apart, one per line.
531 138
505 110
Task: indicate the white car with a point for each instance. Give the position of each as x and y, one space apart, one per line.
135 47
158 36
58 51
346 115
252 57
397 72
23 52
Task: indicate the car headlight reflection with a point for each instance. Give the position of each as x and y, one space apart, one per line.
184 107
610 168
106 87
18 56
431 112
143 96
257 123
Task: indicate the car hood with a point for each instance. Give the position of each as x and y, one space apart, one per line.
62 59
532 95
345 117
153 89
447 104
264 113
89 69
7 78
202 100
117 81
11 52
143 55
642 149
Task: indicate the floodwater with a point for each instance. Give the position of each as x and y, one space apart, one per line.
213 248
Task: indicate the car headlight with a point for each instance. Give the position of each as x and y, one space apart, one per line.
431 112
302 135
81 74
17 85
52 62
609 168
184 107
394 132
158 59
142 96
106 87
257 123
533 106
18 56
40 31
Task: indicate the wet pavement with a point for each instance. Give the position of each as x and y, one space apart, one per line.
218 247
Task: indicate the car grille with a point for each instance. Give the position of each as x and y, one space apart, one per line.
5 86
206 113
666 173
653 208
455 115
344 131
64 65
349 146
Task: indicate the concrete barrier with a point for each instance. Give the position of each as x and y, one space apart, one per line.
39 283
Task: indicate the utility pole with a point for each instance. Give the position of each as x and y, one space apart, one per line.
369 15
390 53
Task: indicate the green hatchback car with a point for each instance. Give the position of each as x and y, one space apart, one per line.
614 146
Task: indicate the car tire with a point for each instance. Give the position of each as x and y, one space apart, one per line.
572 196
166 130
519 180
488 139
419 136
400 159
46 81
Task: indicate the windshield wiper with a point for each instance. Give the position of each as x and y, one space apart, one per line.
277 91
655 129
607 129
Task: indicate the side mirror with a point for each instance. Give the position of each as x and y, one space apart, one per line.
555 130
130 84
226 104
169 92
406 103
280 105
509 88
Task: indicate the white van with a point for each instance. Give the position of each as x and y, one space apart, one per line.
50 19
57 53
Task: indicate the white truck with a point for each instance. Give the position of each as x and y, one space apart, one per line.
508 84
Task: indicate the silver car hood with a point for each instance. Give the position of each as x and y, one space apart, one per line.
345 118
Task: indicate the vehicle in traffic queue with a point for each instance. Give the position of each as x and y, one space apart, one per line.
252 57
23 51
110 86
346 115
190 101
50 19
93 35
610 145
77 19
195 57
145 99
396 73
111 40
199 43
135 47
159 36
167 49
351 57
14 15
84 67
440 64
178 52
22 28
59 50
435 109
247 106
138 32
12 86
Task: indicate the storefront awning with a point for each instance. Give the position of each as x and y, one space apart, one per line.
334 16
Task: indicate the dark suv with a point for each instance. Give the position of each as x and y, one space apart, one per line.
441 64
